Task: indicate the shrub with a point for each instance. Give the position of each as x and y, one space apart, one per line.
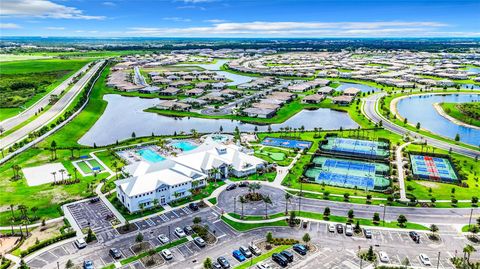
47 242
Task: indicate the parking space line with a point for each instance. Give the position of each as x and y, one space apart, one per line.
174 213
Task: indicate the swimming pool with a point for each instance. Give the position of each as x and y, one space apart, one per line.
184 145
150 156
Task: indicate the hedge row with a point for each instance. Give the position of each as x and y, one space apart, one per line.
47 242
283 241
5 263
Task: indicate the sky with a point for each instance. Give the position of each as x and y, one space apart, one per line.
240 18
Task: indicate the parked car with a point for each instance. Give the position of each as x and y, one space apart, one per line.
193 206
223 262
415 236
179 232
80 243
115 253
331 227
243 184
254 249
349 230
383 257
237 254
245 251
216 265
188 230
231 187
88 265
305 224
167 254
163 239
368 233
200 242
300 249
339 228
278 258
263 266
94 200
425 259
288 255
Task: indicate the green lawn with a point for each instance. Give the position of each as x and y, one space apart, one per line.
242 227
262 257
157 249
458 111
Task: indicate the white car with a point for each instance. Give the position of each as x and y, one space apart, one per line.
167 254
80 243
425 259
263 266
349 230
179 232
254 249
163 239
331 227
383 257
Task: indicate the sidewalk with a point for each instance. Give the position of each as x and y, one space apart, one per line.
401 173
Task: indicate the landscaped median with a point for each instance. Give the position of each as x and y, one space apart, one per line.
262 257
146 253
279 219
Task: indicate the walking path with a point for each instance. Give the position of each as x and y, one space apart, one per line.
282 171
400 171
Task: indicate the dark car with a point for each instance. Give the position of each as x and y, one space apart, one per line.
188 230
200 242
88 265
415 236
231 187
278 258
339 228
300 249
288 255
216 265
115 253
193 206
94 200
223 262
243 184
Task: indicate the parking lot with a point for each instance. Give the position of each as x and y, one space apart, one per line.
92 214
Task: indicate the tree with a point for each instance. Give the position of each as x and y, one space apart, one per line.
350 214
292 218
53 148
376 217
207 263
269 237
197 220
370 254
418 125
266 199
474 200
457 137
69 264
242 202
155 202
90 236
434 229
468 250
139 238
306 238
134 135
142 207
326 212
288 197
402 220
346 197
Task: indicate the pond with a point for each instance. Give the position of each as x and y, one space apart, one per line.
125 115
420 109
361 87
236 79
472 69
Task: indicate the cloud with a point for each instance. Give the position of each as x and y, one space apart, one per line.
42 9
176 19
9 26
198 1
296 29
109 4
215 21
55 28
191 7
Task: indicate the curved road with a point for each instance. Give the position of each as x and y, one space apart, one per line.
43 102
370 110
49 115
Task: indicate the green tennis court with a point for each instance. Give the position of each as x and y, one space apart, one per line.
84 167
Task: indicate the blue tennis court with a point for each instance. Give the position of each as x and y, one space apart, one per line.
286 143
356 147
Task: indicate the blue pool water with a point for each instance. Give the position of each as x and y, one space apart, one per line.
184 145
150 155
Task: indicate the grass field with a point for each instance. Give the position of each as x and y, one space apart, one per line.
20 78
468 113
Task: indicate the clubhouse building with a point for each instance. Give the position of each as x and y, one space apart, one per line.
149 184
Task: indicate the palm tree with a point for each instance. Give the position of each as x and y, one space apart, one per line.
266 199
242 202
75 172
34 209
54 178
62 171
215 171
114 164
11 210
194 133
53 148
288 196
155 202
142 207
467 250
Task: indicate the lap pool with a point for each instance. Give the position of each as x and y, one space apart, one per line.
150 155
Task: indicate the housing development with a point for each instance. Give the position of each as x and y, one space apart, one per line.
251 146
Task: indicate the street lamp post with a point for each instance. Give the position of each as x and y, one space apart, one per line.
300 196
169 234
384 211
360 256
470 219
438 260
234 205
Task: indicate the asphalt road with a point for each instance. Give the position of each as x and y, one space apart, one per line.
52 113
371 113
413 214
30 112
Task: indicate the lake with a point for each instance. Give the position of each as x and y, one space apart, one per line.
236 79
125 115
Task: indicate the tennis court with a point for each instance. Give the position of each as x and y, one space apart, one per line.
356 147
433 168
286 143
348 173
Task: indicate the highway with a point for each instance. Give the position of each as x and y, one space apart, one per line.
12 122
49 115
371 103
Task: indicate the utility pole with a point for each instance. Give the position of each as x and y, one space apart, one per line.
234 205
438 260
169 234
300 196
384 211
470 219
